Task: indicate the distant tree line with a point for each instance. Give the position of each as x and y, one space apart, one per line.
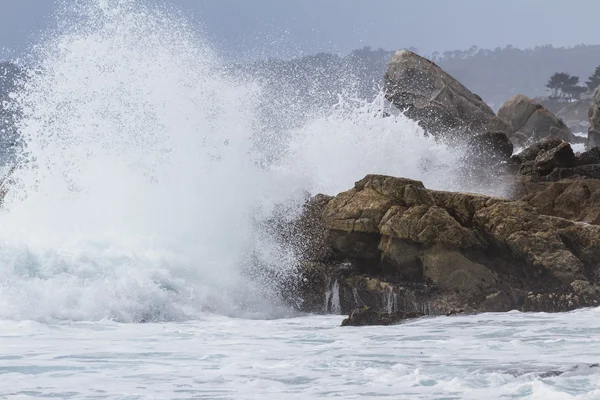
564 87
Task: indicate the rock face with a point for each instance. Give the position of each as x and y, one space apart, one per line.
367 316
594 116
389 249
526 117
428 94
401 248
577 200
551 160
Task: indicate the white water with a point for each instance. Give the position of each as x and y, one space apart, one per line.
142 180
332 297
490 356
139 196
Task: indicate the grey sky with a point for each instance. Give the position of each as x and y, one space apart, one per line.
251 28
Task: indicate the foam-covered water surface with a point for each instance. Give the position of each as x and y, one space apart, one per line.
489 356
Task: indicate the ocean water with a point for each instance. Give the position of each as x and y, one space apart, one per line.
489 356
148 172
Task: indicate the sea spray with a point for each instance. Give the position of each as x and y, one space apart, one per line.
141 190
136 189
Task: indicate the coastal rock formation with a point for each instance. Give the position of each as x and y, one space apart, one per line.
576 200
401 248
426 93
552 160
527 117
367 316
594 116
390 249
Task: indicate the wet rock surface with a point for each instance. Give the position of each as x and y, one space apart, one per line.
529 118
401 248
390 249
367 316
553 160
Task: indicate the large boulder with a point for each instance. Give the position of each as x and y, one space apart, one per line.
527 117
405 248
428 94
594 116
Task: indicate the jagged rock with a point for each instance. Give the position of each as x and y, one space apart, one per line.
592 156
408 248
561 156
404 210
367 316
531 152
499 302
584 288
545 162
586 171
577 200
594 116
450 270
530 118
426 93
556 302
551 160
532 238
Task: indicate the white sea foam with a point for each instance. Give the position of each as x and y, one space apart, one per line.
488 356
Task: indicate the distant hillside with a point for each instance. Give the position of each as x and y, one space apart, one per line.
495 75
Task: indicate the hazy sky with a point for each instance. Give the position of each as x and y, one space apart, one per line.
251 28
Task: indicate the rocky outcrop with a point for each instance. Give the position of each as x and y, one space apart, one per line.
367 316
401 248
577 200
594 116
390 249
552 160
530 119
426 93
